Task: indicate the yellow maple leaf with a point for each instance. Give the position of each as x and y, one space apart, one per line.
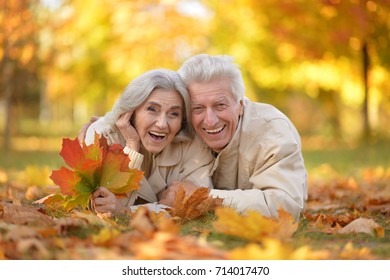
274 249
253 226
105 235
351 253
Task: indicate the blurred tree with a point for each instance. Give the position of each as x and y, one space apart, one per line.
335 28
18 64
278 42
102 45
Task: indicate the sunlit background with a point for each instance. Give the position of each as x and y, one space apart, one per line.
324 63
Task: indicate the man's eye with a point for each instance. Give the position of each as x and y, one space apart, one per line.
151 109
221 106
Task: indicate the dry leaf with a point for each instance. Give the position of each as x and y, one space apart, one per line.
363 225
274 249
190 207
147 222
351 253
23 215
165 246
253 226
142 223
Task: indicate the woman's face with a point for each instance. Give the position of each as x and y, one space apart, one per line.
159 119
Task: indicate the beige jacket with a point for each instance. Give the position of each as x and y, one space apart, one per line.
190 161
262 167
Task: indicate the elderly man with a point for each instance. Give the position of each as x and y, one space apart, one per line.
258 159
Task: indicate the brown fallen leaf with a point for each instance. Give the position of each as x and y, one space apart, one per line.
23 215
166 246
186 208
147 222
253 226
363 225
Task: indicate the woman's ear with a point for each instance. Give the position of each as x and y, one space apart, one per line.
132 120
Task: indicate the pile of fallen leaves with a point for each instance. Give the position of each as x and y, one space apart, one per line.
345 218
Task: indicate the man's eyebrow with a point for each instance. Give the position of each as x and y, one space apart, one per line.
223 98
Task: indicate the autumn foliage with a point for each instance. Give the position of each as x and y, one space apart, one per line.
188 207
345 218
93 166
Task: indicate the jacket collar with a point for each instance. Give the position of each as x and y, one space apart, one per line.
169 156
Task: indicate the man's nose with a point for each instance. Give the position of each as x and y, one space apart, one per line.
211 118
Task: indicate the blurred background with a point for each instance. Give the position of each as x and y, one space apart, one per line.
324 63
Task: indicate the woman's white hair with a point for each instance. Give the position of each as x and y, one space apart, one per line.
205 68
138 90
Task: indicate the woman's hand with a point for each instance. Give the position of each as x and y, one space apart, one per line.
105 203
128 132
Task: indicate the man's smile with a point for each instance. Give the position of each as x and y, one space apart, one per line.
214 131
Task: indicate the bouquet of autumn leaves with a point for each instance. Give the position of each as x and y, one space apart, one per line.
90 167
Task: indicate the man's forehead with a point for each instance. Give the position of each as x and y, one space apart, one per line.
215 97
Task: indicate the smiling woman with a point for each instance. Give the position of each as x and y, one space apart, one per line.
150 120
159 119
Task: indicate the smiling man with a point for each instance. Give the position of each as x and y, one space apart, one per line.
258 161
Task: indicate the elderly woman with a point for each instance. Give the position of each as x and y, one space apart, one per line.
151 120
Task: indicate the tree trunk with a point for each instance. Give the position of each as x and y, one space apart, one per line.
366 121
7 69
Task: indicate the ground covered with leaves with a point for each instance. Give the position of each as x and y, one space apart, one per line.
345 218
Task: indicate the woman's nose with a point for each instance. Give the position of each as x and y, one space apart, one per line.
161 121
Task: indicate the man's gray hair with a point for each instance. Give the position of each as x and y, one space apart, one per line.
205 68
139 89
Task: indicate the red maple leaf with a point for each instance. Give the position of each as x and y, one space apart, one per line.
92 166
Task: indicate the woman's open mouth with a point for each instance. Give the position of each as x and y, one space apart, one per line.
157 136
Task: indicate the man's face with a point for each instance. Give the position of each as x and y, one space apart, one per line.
215 112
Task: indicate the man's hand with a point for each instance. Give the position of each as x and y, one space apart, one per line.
167 196
84 128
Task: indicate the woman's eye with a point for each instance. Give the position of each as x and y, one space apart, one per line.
152 109
175 114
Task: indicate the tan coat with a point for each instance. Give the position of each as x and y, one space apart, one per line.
262 167
190 160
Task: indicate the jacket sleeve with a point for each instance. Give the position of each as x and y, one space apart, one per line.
278 179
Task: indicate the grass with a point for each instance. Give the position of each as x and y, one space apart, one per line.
19 160
348 160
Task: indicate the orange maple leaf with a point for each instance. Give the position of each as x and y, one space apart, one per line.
253 226
193 206
93 166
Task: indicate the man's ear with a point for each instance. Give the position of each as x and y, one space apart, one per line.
241 112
